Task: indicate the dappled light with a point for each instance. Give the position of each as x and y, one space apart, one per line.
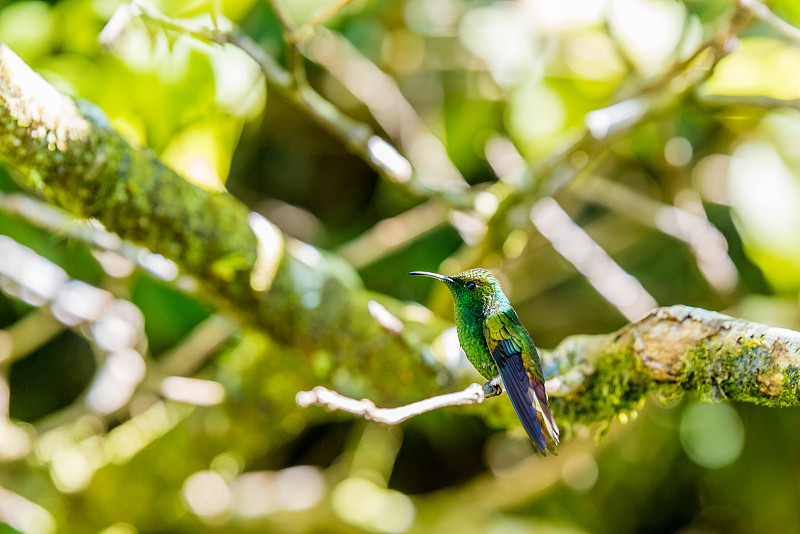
208 210
712 435
363 503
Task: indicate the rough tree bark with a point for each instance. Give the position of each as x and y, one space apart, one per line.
673 351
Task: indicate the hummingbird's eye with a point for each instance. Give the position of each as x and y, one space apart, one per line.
471 286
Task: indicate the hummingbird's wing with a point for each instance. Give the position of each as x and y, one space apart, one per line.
517 360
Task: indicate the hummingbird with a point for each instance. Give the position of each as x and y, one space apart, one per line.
500 348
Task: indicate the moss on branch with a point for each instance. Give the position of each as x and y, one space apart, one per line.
674 351
87 168
294 292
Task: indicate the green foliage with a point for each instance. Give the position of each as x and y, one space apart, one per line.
521 98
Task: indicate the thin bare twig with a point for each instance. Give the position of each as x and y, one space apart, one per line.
473 394
380 93
293 57
765 14
323 15
292 33
283 18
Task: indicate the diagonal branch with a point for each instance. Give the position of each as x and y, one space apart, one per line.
243 264
381 94
764 13
706 242
357 136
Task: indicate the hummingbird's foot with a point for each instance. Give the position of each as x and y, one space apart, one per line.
492 388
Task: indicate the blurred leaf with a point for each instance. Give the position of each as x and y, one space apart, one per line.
28 28
760 66
788 9
169 315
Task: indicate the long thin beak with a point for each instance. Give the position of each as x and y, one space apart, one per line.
441 277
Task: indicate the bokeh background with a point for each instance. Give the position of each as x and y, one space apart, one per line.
603 157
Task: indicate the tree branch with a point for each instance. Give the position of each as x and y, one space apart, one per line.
763 12
244 264
357 136
671 352
674 351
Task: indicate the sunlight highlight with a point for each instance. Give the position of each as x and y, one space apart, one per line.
23 515
364 504
580 472
192 390
270 251
261 493
570 240
712 434
116 381
389 159
206 494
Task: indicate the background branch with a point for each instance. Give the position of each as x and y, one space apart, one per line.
359 137
255 273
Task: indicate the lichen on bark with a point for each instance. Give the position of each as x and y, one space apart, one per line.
680 350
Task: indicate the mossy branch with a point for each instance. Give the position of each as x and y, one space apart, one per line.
245 265
672 351
79 163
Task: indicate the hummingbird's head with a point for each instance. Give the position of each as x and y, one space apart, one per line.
476 289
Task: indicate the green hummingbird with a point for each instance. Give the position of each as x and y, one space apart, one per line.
500 347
